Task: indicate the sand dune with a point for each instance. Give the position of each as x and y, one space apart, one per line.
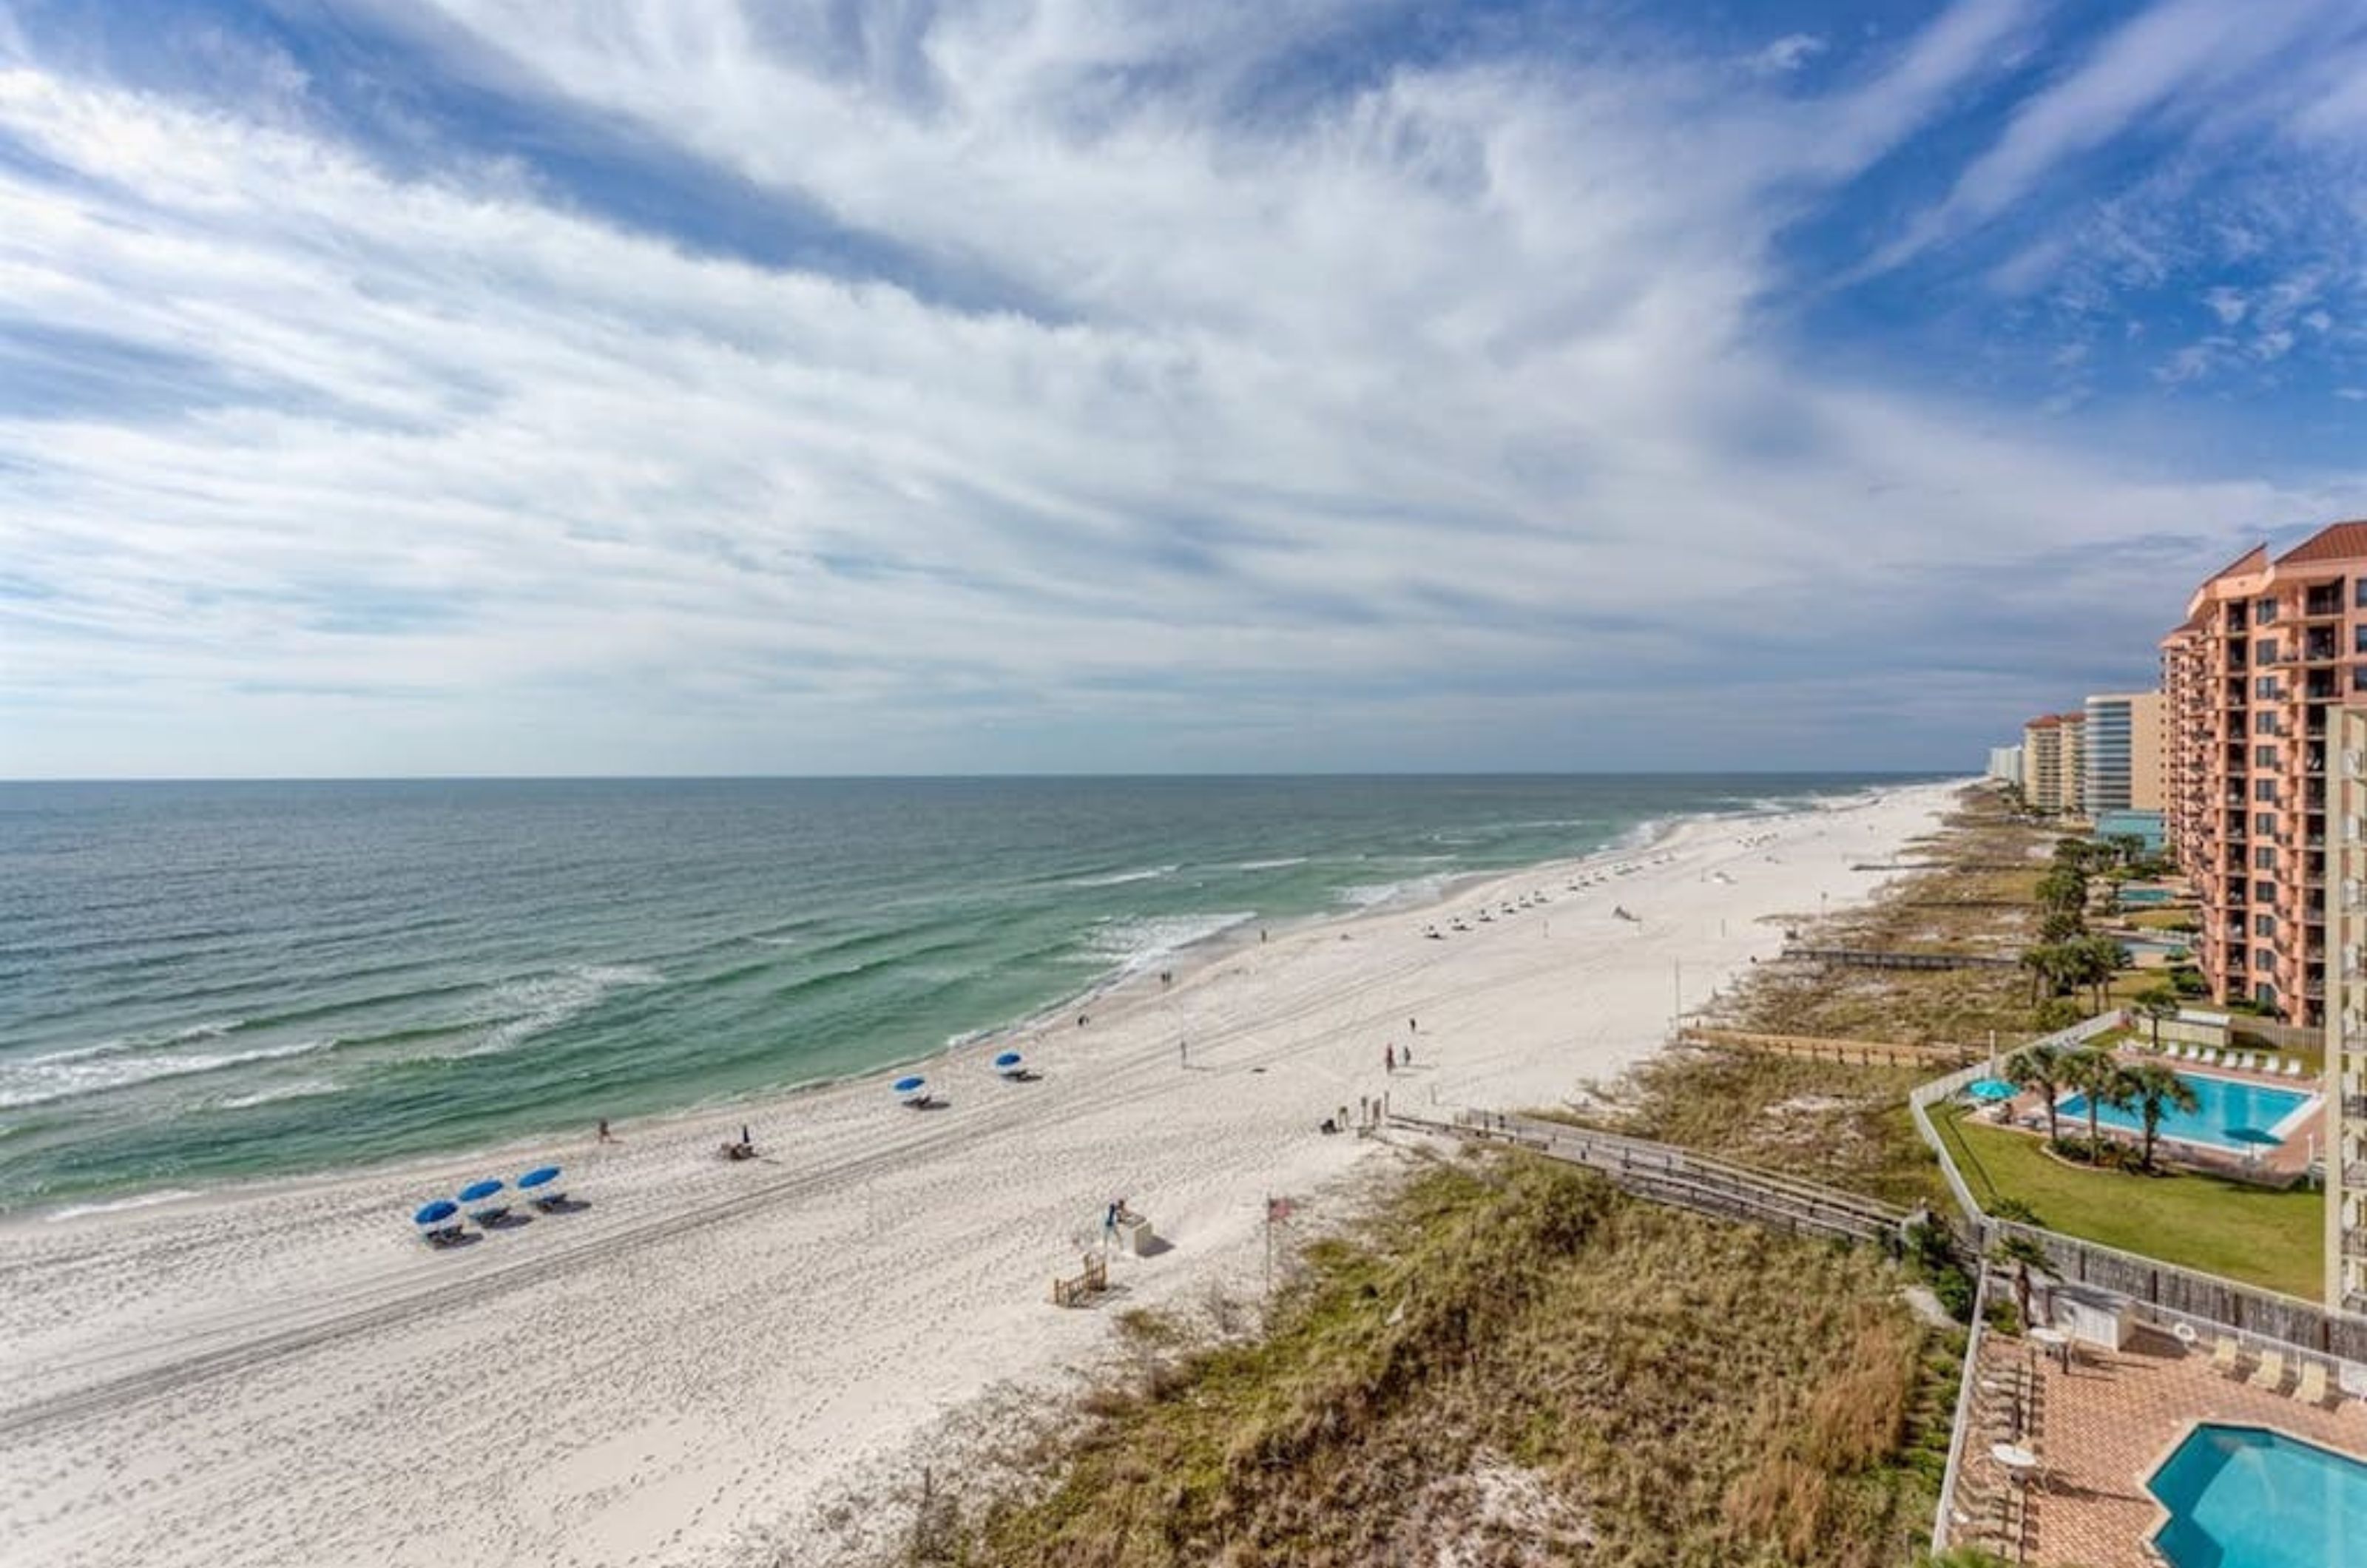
282 1374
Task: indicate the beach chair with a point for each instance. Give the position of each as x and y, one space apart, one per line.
2292 1067
2311 1389
2271 1373
2211 1056
2224 1354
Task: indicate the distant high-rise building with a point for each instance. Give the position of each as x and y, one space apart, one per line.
2123 753
2053 761
2005 765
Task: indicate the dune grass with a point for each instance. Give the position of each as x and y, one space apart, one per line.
2265 1237
1517 1359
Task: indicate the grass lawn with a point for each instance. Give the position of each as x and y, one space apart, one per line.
2264 1237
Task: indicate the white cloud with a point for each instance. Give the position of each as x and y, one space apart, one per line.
1788 53
1324 429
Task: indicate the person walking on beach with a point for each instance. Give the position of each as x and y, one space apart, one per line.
1388 1059
1405 1058
1183 1052
605 1136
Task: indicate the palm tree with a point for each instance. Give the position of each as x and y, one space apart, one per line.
2092 1071
2039 1067
2153 1091
2157 1003
2095 960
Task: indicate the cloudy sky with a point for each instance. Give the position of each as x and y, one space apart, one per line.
675 385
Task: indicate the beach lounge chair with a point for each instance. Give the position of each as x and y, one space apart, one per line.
2311 1389
2223 1356
445 1235
2211 1056
2271 1373
2292 1067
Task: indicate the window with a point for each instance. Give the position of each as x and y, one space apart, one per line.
2359 593
2264 859
2264 893
2264 822
2359 633
2358 678
2265 651
2264 756
2265 612
2265 686
2265 790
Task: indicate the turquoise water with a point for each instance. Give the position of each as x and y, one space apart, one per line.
2247 1497
210 980
2144 895
2225 1105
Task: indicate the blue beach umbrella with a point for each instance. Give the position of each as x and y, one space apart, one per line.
914 1088
478 1191
1007 1063
435 1213
539 1177
1990 1088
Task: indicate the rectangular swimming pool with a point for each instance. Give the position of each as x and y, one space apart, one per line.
2230 1114
2247 1497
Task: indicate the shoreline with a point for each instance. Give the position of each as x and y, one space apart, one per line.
1192 956
683 1369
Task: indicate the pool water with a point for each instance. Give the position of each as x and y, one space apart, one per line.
2144 895
2224 1107
2247 1497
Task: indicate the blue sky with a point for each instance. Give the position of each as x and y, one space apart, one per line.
662 386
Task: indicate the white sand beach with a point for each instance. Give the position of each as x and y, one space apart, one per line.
284 1374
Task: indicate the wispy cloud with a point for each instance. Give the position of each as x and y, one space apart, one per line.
1239 386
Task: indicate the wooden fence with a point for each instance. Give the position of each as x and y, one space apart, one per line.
1876 958
1864 1053
1667 1174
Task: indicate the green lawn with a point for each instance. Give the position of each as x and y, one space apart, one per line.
2275 1239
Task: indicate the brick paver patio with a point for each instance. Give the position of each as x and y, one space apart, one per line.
2101 1427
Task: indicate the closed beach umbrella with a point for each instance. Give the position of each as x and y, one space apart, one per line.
478 1191
435 1213
541 1178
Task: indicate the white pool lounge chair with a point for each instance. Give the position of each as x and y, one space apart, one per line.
2311 1389
2271 1373
2292 1067
2182 1053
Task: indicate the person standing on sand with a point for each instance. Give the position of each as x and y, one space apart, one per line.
1405 1058
605 1136
1388 1059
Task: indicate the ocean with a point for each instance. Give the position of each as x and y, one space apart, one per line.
201 982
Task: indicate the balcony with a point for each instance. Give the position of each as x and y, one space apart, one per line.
2314 761
2321 651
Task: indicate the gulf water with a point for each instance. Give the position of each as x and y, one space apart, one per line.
205 981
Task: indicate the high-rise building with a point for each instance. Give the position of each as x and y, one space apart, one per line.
2055 760
2346 1018
2042 763
2124 751
2271 650
2005 765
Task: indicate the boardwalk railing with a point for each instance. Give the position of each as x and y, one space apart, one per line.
1671 1175
1864 1053
1963 1426
1876 958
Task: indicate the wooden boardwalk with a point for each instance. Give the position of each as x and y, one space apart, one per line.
1876 958
1667 1174
1862 1052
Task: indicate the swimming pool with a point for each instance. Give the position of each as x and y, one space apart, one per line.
2247 1497
2224 1106
2144 895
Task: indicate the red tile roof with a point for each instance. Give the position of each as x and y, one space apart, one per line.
2250 561
2338 541
2044 721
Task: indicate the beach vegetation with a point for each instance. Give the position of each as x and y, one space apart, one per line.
1513 1360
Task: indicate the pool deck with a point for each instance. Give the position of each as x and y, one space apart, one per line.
2284 1162
2102 1428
